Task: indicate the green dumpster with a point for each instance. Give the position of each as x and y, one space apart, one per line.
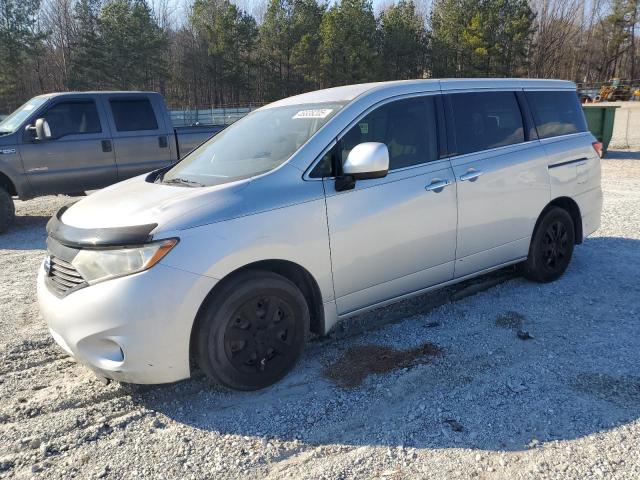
600 121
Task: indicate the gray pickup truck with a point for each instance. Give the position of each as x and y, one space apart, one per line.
73 142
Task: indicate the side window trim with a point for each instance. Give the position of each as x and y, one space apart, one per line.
530 130
441 128
452 146
344 131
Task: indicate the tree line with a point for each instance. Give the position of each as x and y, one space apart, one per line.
215 52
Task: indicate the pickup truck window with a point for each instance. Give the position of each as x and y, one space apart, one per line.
133 115
72 118
13 121
256 144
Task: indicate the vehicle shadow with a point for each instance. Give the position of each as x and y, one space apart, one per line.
28 230
26 233
622 155
491 387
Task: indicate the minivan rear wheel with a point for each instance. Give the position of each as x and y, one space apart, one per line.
7 210
551 247
251 332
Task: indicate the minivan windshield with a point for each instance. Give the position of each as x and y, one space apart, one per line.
13 121
256 144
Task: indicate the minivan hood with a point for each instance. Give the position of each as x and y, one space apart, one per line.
140 202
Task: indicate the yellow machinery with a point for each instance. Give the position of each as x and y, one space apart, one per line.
616 89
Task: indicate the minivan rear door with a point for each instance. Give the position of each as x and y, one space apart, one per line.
501 174
394 235
140 137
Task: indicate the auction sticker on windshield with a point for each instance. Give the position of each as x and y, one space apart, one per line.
313 113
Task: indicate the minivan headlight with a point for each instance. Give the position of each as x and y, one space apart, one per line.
98 265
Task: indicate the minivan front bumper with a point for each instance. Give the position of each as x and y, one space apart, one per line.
133 329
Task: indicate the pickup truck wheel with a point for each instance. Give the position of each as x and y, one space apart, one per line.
252 331
7 210
551 247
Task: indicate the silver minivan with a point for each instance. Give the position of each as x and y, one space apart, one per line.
313 209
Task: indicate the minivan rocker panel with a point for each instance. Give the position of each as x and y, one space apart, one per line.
263 234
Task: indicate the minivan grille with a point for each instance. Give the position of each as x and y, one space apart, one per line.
63 276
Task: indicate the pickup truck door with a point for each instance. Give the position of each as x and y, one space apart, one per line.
142 141
395 235
78 156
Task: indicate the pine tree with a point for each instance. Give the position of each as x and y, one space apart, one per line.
403 42
19 44
348 37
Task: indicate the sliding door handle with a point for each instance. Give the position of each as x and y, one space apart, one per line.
437 185
471 175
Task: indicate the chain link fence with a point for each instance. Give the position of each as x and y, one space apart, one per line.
209 116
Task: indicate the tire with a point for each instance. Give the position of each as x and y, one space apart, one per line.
7 210
251 333
551 247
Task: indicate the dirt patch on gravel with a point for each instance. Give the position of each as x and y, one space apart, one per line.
357 363
513 320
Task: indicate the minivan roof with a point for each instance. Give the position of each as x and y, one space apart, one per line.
348 93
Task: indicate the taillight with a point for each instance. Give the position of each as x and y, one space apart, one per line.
597 146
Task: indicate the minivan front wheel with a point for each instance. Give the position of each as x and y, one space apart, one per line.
551 247
252 331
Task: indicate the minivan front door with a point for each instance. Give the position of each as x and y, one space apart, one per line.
502 179
77 157
394 235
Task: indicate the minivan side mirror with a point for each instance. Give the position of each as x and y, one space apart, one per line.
366 160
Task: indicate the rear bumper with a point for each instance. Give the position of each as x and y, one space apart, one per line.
590 204
134 329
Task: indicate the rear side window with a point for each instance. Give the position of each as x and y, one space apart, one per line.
556 113
486 120
73 118
132 115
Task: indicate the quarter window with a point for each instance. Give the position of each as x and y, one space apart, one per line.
486 120
73 118
556 113
133 115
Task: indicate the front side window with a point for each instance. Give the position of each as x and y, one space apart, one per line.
556 113
407 127
486 120
258 143
73 118
133 115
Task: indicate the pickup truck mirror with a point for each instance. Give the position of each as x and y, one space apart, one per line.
43 132
40 129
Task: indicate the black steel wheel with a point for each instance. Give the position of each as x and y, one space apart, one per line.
551 247
252 331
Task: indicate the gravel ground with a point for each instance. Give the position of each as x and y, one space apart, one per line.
498 378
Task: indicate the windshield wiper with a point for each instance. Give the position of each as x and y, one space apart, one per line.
183 181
